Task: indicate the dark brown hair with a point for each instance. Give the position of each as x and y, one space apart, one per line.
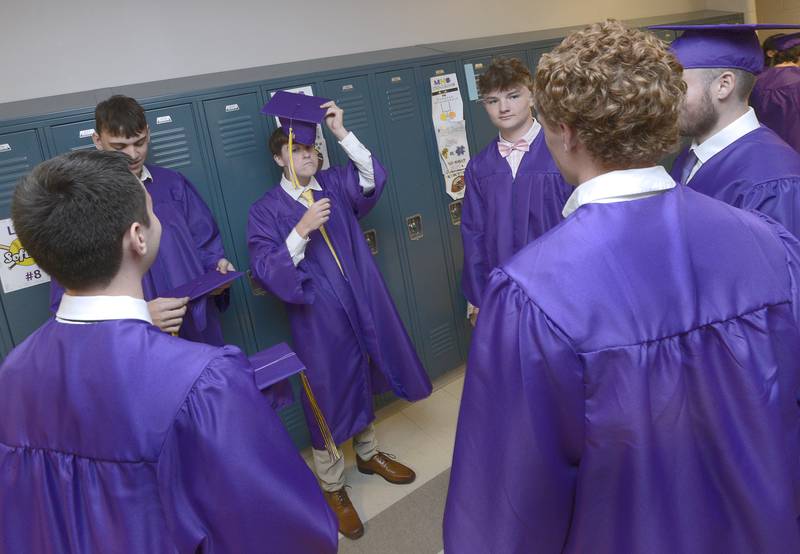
504 74
120 116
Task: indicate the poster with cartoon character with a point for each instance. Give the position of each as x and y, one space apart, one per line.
18 270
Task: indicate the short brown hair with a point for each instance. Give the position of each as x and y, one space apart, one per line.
71 213
277 140
791 55
503 74
120 116
619 88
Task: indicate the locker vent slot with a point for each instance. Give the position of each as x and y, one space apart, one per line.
442 339
238 136
11 170
170 148
355 111
401 103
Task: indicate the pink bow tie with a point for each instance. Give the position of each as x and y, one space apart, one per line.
506 148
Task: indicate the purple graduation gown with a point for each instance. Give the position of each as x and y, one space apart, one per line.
190 246
632 388
501 214
759 171
776 100
117 438
346 330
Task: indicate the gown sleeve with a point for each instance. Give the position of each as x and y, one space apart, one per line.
520 431
779 199
345 181
271 262
230 479
476 266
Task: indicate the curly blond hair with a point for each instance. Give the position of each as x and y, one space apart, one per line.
619 88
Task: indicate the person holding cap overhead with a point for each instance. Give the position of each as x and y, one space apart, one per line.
307 248
776 94
732 156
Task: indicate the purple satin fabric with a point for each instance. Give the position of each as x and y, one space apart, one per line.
118 438
631 387
776 100
501 214
759 171
190 246
346 330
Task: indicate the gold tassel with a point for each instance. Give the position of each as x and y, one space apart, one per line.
330 445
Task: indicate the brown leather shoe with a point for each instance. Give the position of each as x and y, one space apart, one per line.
392 471
349 523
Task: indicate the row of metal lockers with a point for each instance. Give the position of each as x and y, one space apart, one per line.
217 138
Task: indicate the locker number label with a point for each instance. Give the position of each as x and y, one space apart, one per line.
5 148
163 119
232 108
86 133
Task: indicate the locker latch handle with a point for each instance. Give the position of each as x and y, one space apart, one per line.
455 212
255 288
371 237
414 226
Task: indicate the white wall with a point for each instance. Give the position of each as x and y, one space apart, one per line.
52 47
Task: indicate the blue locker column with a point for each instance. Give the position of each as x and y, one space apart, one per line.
449 209
477 120
25 309
379 226
69 137
245 169
424 238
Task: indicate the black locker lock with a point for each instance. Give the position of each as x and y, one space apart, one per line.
455 212
371 237
414 225
255 288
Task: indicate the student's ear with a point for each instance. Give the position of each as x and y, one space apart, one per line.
278 160
96 140
136 239
724 86
569 137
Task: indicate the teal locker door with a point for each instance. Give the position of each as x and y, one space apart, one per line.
246 171
25 309
449 209
482 129
73 136
424 238
352 94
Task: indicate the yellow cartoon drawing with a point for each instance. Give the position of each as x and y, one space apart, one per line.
15 255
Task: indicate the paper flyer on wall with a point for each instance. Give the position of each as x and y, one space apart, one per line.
319 143
18 270
447 112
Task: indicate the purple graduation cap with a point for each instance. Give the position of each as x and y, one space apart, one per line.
730 46
785 42
272 368
203 285
298 112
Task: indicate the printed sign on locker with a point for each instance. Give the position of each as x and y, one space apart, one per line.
18 270
447 112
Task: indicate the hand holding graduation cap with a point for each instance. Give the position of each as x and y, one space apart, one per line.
334 119
223 266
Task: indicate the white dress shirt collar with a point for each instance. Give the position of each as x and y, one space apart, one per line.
87 309
715 144
619 186
528 137
295 193
146 175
